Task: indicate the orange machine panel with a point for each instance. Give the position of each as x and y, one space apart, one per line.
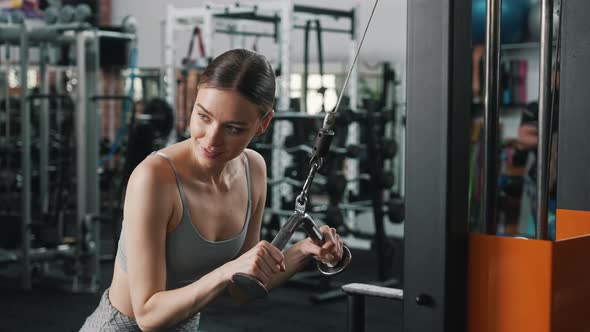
528 285
509 284
571 223
571 285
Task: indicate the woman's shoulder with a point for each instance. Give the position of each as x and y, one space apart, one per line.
149 198
157 166
153 170
256 161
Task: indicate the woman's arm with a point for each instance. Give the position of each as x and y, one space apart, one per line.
149 206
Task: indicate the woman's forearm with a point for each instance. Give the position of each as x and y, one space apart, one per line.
168 308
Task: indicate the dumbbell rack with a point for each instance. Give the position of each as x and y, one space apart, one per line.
336 187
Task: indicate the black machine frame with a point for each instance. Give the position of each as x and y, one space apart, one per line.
573 177
435 254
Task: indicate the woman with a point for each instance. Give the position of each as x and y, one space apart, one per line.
193 211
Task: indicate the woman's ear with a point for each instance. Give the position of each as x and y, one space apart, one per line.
265 122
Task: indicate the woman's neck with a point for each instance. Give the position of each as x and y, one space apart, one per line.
217 176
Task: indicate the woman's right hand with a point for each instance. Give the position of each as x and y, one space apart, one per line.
263 261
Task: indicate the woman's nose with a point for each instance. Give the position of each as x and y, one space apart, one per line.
214 136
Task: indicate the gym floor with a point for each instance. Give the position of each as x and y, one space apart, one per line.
288 308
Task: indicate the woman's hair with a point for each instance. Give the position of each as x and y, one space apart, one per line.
244 71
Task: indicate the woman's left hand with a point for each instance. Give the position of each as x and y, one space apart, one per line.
330 253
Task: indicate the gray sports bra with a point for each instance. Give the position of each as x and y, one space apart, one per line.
189 256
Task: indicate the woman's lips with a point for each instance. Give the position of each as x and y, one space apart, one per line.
210 154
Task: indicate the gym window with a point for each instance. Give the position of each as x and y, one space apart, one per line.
314 98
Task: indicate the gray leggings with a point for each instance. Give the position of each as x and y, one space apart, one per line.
107 318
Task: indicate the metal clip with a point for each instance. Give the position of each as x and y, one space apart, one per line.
301 203
317 161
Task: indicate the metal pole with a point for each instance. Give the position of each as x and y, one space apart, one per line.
285 60
281 128
305 76
59 90
491 114
356 313
94 132
7 91
208 33
544 106
232 36
111 107
81 130
25 161
44 131
169 70
7 103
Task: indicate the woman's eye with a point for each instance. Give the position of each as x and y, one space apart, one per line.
235 130
203 117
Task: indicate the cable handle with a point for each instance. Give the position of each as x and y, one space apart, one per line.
304 221
253 289
293 223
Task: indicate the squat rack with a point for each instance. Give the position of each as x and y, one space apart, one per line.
283 15
87 124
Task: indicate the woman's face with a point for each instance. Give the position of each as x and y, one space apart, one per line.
222 125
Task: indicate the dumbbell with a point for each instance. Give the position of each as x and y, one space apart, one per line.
159 114
350 151
294 172
67 14
336 186
389 148
51 15
336 183
386 180
254 289
291 141
333 216
82 13
348 116
396 210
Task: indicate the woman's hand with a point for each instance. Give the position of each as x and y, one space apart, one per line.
330 253
263 261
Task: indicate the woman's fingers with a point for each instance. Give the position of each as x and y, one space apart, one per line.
275 257
274 263
262 272
263 261
331 251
